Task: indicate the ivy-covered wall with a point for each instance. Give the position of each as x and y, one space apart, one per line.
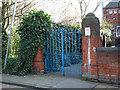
32 32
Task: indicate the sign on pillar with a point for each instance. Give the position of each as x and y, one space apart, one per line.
87 31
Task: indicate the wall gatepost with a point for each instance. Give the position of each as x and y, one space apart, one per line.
90 40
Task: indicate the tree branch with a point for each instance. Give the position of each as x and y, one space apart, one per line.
86 7
20 10
97 6
7 19
25 7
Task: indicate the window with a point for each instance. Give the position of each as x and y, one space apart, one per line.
110 11
119 11
114 18
107 11
115 11
118 31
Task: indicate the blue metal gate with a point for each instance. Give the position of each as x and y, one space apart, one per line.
64 52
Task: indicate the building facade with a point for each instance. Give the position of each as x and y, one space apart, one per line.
111 12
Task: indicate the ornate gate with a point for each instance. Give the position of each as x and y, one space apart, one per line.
64 52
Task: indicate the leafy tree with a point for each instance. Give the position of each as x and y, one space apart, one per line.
7 12
14 42
106 31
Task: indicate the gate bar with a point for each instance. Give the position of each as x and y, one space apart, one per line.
62 51
59 48
53 47
72 40
66 47
56 48
46 58
50 51
75 41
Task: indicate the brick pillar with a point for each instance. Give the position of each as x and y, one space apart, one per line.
89 67
38 63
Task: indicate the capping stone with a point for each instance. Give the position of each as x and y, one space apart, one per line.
108 49
93 22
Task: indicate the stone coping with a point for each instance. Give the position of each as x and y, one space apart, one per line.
108 49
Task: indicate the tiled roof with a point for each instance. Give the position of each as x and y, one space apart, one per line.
113 4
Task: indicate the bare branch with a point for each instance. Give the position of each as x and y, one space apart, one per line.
25 7
7 20
97 6
22 8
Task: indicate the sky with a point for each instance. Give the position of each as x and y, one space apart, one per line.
93 4
75 4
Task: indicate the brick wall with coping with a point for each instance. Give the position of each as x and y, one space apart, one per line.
104 62
108 64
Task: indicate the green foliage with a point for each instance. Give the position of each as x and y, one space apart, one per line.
66 27
105 30
13 49
105 25
14 42
4 44
32 31
11 66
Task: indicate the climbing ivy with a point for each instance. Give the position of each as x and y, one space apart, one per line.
32 31
4 44
65 27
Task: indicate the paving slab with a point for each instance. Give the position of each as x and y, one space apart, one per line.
52 80
75 83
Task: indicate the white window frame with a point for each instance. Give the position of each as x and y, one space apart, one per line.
110 12
117 32
119 11
115 11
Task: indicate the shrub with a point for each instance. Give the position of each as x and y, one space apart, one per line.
32 31
11 66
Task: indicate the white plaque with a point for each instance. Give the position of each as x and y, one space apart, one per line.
87 31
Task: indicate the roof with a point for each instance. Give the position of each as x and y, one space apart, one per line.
113 4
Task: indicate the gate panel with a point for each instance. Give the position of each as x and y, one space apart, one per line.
53 52
64 52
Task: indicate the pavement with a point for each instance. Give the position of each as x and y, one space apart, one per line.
10 86
51 80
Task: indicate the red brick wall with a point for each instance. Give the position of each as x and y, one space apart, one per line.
108 64
109 17
104 61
